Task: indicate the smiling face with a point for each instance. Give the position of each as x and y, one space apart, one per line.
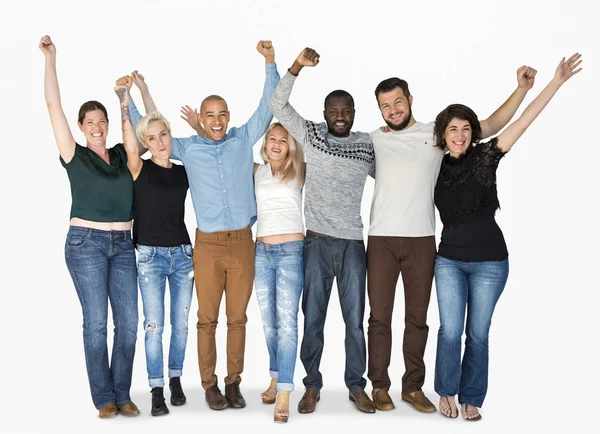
214 117
339 115
95 128
157 139
458 135
395 108
276 145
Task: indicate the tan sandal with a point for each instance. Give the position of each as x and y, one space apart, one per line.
269 395
282 413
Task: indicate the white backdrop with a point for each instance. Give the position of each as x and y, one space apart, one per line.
543 340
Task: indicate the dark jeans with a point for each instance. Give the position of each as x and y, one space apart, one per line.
466 290
387 257
102 266
324 259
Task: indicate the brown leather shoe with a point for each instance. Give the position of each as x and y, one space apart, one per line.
309 400
109 410
362 401
234 396
128 409
215 398
382 400
419 400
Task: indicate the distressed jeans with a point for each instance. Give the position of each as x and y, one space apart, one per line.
278 279
155 266
469 289
102 266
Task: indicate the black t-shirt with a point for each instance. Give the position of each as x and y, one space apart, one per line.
467 199
160 206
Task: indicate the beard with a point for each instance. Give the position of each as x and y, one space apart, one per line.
404 123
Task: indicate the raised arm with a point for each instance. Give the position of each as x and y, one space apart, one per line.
60 126
190 115
498 120
261 118
280 102
564 71
130 142
139 80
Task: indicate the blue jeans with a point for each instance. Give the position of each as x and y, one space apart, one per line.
278 279
474 287
102 266
346 260
155 266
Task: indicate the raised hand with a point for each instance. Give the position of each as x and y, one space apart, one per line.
125 82
139 81
190 115
123 93
526 77
266 49
567 68
47 46
308 57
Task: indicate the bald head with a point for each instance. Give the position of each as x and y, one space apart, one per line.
213 98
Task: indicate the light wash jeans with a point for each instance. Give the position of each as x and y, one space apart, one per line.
472 288
102 266
155 266
278 279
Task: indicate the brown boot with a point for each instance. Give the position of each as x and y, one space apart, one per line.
309 400
362 401
109 410
128 409
215 398
234 396
382 400
419 400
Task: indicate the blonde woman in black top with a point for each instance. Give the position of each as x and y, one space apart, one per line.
471 268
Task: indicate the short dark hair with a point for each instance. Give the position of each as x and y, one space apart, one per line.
391 84
90 106
339 93
458 111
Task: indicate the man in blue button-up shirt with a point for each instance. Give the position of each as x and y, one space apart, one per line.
219 168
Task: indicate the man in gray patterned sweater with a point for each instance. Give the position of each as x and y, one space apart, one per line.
338 162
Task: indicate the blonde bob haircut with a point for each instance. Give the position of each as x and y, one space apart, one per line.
292 167
142 125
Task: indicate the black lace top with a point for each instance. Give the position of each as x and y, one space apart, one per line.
467 199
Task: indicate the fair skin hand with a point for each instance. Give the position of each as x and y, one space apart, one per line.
126 82
140 82
308 57
130 142
564 71
266 49
60 127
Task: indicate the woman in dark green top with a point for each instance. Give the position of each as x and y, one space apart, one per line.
99 251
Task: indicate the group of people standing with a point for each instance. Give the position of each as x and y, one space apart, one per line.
416 166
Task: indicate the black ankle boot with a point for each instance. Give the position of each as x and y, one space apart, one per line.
177 395
159 407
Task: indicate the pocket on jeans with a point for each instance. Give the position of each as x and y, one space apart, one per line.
188 251
145 254
76 240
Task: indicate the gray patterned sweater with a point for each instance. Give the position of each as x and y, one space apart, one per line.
336 169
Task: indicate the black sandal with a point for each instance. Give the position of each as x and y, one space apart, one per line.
473 419
450 408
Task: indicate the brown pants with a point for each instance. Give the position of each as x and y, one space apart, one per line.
223 261
386 258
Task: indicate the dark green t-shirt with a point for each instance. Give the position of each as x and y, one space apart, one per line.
100 192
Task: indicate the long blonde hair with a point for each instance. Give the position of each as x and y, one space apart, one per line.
292 167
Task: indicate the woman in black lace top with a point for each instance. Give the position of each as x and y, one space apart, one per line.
471 268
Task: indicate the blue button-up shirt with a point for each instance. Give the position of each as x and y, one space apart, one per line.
220 173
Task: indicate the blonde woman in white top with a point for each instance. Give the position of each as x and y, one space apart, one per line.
279 267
